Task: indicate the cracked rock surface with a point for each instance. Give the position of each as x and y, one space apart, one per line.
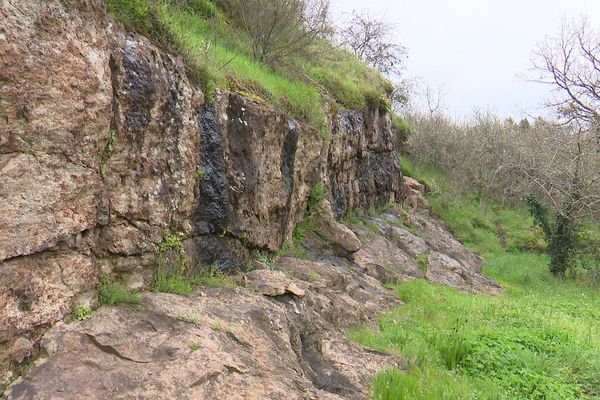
219 344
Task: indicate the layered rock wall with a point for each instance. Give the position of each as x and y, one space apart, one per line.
105 147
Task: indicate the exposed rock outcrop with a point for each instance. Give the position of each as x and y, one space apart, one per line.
106 148
219 344
362 167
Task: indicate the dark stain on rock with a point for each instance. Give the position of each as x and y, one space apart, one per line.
140 88
242 159
288 156
376 169
213 199
226 254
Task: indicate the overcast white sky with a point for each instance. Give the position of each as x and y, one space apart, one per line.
476 47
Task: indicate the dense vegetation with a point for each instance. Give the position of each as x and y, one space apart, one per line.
539 339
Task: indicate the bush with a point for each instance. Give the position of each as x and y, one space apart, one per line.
401 130
279 29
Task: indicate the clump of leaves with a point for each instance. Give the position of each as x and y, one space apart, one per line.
171 241
80 313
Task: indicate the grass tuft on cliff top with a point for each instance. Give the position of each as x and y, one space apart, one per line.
538 339
217 55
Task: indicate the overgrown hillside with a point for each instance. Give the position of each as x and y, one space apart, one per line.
218 54
539 339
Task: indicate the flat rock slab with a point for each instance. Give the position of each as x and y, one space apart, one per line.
218 344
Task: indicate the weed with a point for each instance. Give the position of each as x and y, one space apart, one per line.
188 319
171 241
218 325
176 283
199 174
268 261
317 194
422 261
110 145
80 313
373 226
195 346
289 273
112 293
104 170
294 249
212 277
314 277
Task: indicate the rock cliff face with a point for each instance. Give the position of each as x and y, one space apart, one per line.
105 146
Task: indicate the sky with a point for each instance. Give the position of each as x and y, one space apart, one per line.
476 49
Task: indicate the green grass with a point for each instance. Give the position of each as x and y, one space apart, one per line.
538 339
212 277
183 284
175 283
195 346
218 55
112 293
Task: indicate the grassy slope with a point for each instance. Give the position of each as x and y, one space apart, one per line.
217 55
540 339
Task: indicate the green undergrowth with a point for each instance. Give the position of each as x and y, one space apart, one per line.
538 339
183 283
216 54
112 293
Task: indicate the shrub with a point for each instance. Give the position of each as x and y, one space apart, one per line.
561 235
279 29
401 130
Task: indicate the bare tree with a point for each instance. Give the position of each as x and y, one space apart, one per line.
570 63
280 28
372 40
435 97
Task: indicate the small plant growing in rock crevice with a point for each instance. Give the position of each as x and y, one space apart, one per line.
112 293
171 241
80 313
268 261
314 277
195 346
108 151
199 174
317 194
213 277
192 319
422 261
176 283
